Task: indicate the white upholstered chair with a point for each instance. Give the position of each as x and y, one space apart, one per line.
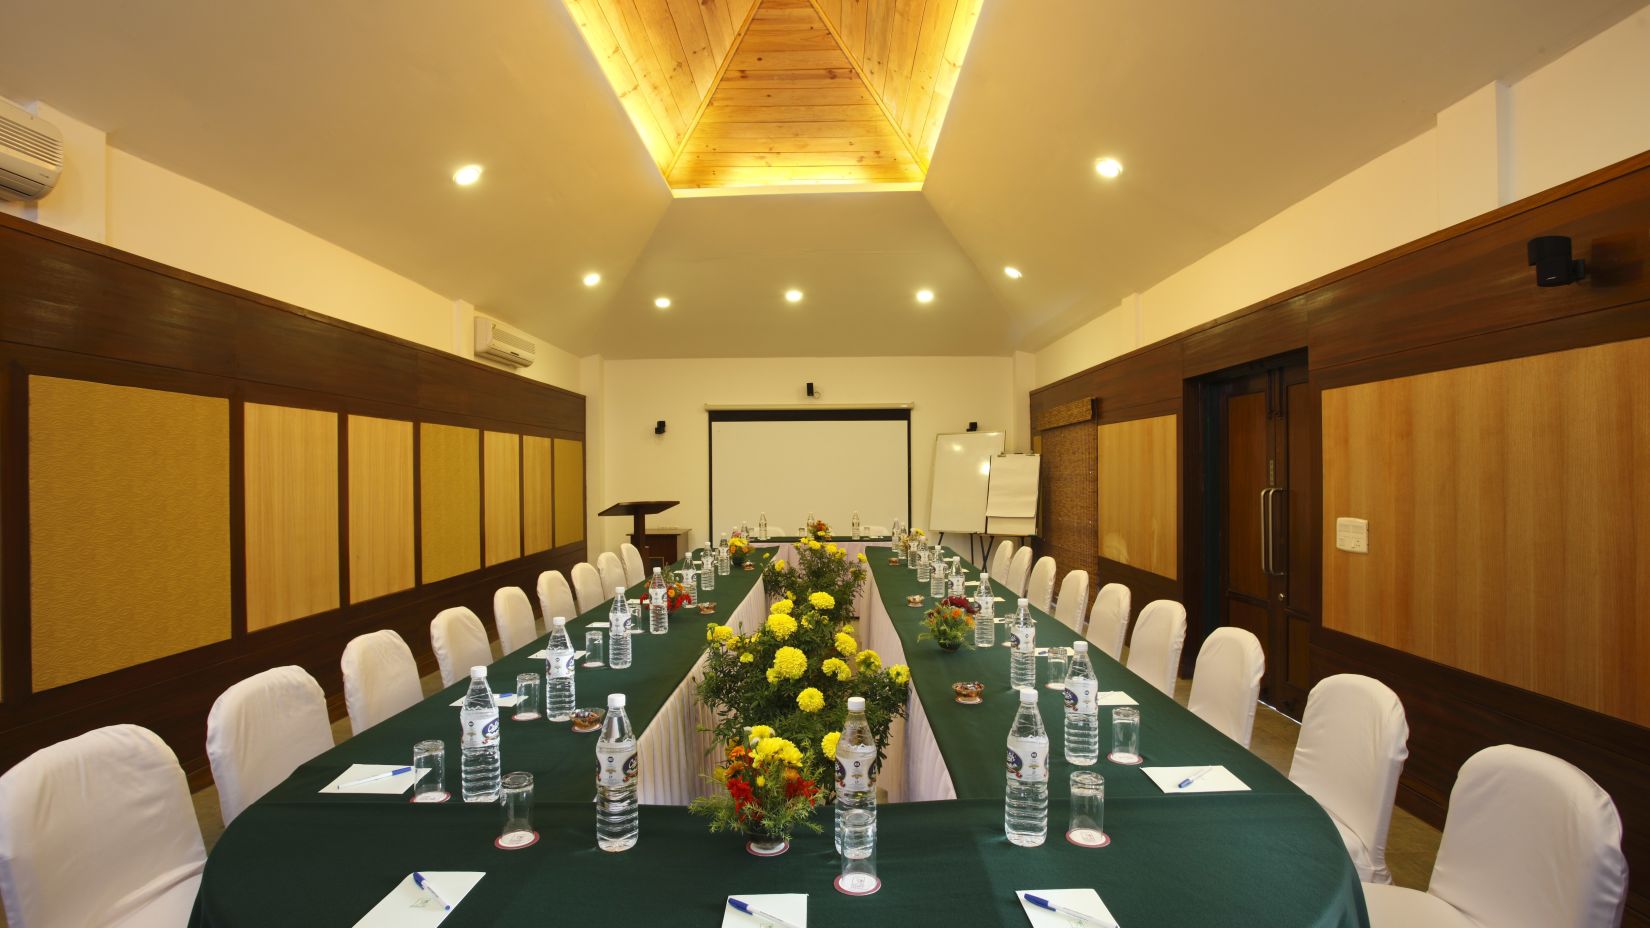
555 597
380 678
588 587
99 830
634 570
999 560
1040 585
612 570
513 616
1353 743
1529 842
1226 682
460 642
1109 619
260 730
1154 651
1073 600
1019 569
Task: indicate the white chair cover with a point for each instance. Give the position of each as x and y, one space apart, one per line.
1353 743
555 598
1530 842
587 586
1226 682
380 678
1040 585
260 730
460 642
612 570
99 830
1154 652
1109 619
1073 600
513 615
1019 570
634 570
999 560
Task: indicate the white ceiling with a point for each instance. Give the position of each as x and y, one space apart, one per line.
347 119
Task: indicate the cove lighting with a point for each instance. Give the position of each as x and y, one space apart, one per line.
925 296
1013 272
793 296
1108 167
662 302
467 175
592 279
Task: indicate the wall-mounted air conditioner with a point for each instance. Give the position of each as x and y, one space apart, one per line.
497 343
31 154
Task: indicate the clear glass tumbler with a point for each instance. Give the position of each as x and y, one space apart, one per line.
1125 735
430 786
1088 810
516 792
1059 661
859 854
528 687
593 648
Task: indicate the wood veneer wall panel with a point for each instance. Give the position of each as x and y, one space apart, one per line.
1139 514
501 507
381 533
569 491
128 526
449 500
537 510
291 513
1507 505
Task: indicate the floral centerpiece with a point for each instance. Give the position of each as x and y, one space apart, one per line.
676 591
818 530
769 788
819 568
950 622
739 548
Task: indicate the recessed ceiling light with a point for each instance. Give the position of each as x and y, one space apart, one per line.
592 279
793 296
1013 272
467 175
925 296
1108 167
662 302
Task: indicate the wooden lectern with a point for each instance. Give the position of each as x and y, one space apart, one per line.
639 511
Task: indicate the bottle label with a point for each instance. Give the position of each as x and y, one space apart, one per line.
616 764
1024 639
856 767
1028 759
559 664
1080 695
480 728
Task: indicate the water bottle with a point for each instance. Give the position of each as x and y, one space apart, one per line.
762 526
1025 807
936 579
724 560
479 743
954 579
856 782
985 625
1082 734
925 570
658 607
855 525
1023 639
617 821
558 673
618 631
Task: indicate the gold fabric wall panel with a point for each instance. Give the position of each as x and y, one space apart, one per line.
1139 504
380 507
569 491
1068 489
291 513
501 455
449 499
537 527
128 526
1507 506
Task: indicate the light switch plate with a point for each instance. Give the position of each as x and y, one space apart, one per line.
1352 535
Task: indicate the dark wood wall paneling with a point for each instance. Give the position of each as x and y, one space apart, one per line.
73 308
1461 296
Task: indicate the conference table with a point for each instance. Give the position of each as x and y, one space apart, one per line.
1268 856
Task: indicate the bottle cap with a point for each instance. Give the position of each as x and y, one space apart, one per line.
1024 601
1080 646
615 700
856 703
1028 696
478 673
657 570
618 592
558 621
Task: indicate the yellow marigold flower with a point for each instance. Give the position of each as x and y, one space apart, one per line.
761 781
783 607
813 545
920 532
779 564
781 625
828 744
810 700
777 747
862 559
747 658
789 596
758 732
836 667
899 673
822 600
830 549
845 644
842 554
790 663
870 661
773 676
721 634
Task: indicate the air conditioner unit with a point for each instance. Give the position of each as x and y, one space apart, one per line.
495 342
31 154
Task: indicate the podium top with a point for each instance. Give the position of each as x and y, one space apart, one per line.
640 508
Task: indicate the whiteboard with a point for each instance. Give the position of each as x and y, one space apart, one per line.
962 470
787 469
1011 506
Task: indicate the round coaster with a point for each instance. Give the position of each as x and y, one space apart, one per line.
526 717
1088 837
1054 686
971 701
516 840
856 884
1127 760
754 851
441 796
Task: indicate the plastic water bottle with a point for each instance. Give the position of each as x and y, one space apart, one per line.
724 560
558 673
985 625
618 631
954 579
658 609
925 570
936 579
1023 639
855 525
1025 807
856 782
479 742
1082 734
762 526
617 818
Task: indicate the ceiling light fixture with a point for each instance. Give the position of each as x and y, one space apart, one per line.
793 296
925 296
1108 167
592 279
1013 272
662 302
467 175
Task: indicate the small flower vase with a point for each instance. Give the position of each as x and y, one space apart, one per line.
950 646
761 844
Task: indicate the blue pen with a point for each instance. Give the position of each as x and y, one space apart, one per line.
423 882
756 913
1086 919
1194 778
377 776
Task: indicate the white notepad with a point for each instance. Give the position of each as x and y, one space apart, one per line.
1086 901
504 700
388 786
1114 698
1217 780
792 907
542 653
408 906
596 625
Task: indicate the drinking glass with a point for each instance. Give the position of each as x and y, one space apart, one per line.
1125 735
430 756
527 697
1059 660
593 647
516 790
859 854
1088 809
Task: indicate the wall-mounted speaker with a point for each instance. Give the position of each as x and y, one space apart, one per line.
659 427
1550 256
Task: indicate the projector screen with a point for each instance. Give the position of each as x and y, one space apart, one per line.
829 462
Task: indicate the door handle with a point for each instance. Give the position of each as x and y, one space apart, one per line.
1266 531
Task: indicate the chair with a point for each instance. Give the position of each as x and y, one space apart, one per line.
1352 747
1109 619
1226 682
1529 841
634 570
1019 566
513 617
999 560
1073 600
99 830
612 571
555 597
1040 585
260 730
380 678
587 586
1154 651
460 642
